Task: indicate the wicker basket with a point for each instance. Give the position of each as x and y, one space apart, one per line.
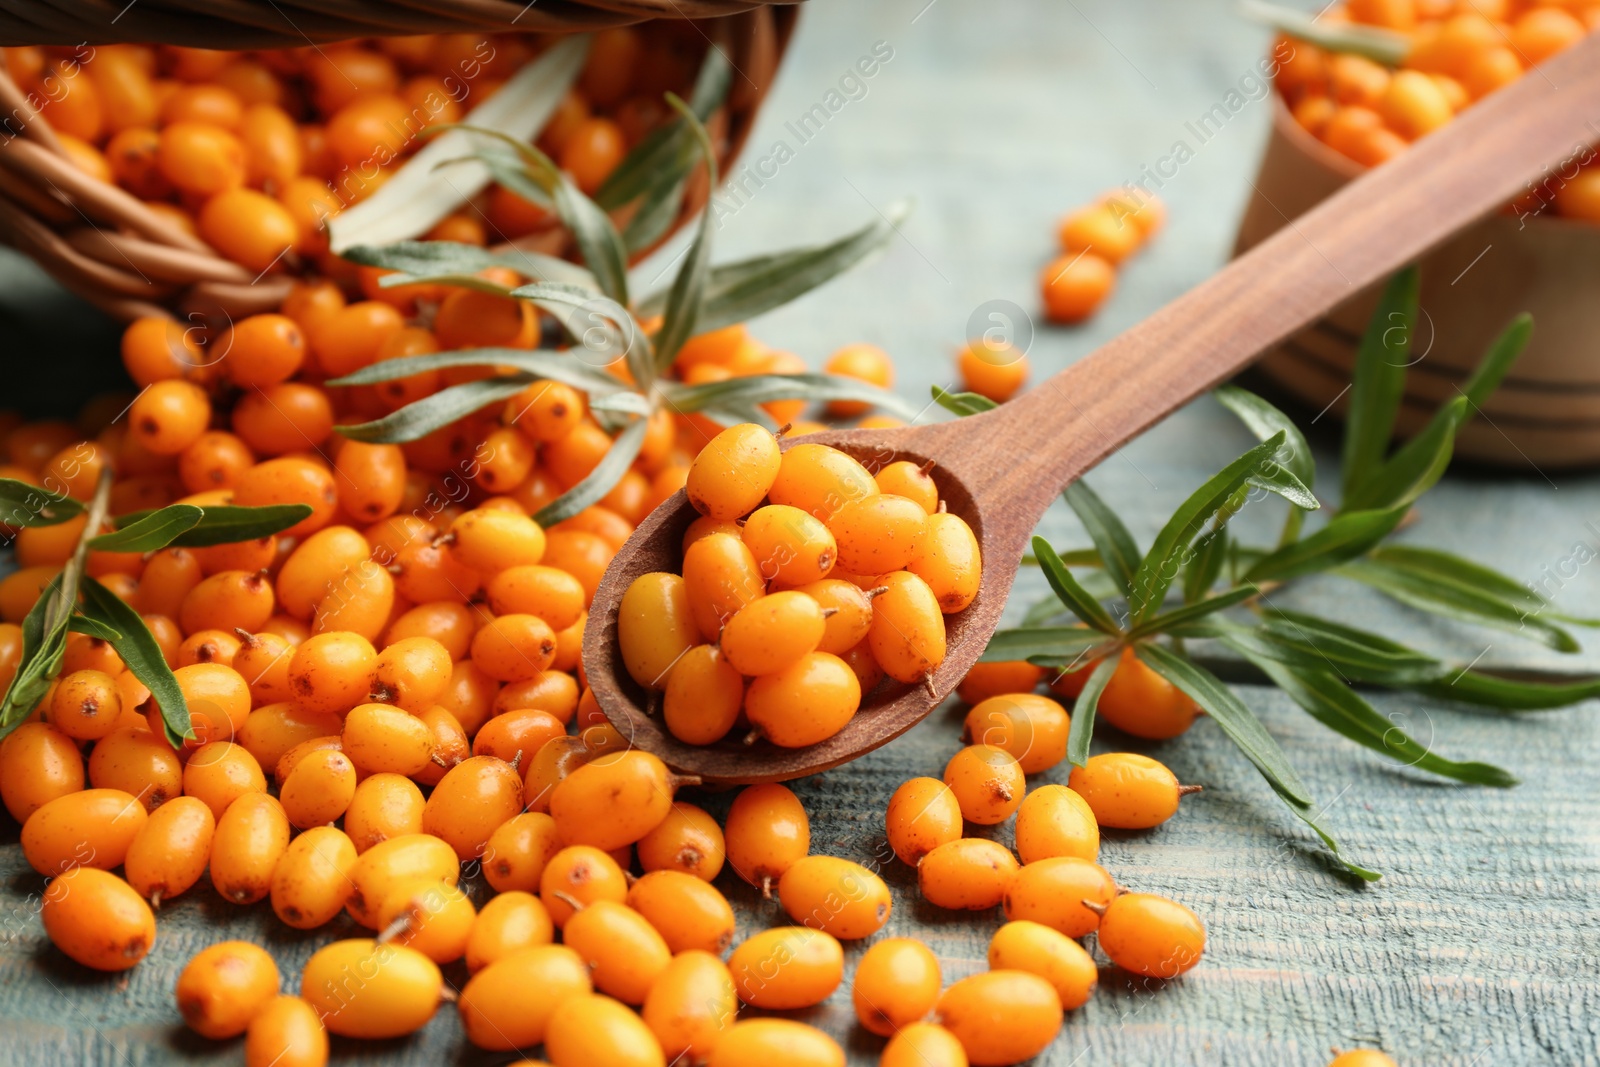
104 244
1547 412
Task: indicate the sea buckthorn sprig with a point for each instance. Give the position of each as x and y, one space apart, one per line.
1098 635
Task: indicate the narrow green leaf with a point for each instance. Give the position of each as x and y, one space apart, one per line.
596 237
1161 564
1503 351
689 286
1118 550
42 652
763 388
654 218
1379 45
1379 380
152 532
1081 731
1264 420
1205 567
1229 713
1025 642
1301 640
1453 601
1510 694
1312 819
665 155
556 366
1443 566
599 481
1073 595
23 505
963 403
435 260
1340 708
1278 479
1346 536
1190 612
1041 612
432 412
138 648
1415 466
82 624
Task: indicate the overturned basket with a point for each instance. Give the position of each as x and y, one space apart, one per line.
113 250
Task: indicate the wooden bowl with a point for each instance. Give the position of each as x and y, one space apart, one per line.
1547 413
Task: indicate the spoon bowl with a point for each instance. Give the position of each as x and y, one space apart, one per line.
999 470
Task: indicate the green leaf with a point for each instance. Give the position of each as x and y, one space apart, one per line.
1276 478
1510 694
1229 713
1192 611
1081 731
1203 569
605 329
654 218
1415 466
138 648
665 155
1378 381
1162 563
1343 710
762 388
1496 363
597 239
1073 595
1443 566
82 624
1454 601
1302 641
963 404
689 286
151 532
738 292
1264 420
432 412
23 505
1026 642
599 481
1118 550
1346 536
1304 813
1379 45
426 261
556 366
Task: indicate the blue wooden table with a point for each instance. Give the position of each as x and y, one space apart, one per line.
1480 946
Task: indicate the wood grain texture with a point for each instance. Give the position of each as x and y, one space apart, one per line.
1481 946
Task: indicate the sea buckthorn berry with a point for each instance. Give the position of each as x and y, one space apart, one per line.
689 913
878 533
851 618
157 349
581 874
432 917
776 1043
220 772
554 692
383 806
395 862
85 705
612 801
804 703
987 680
704 695
836 896
490 540
1001 1017
319 789
1055 821
332 672
1057 892
368 990
170 852
411 673
290 480
286 1032
38 763
720 575
209 646
372 479
284 418
1413 104
470 802
766 831
291 758
556 759
896 984
972 873
224 987
1038 949
865 363
349 338
688 840
263 662
1361 1057
733 472
1128 791
200 159
987 782
787 967
691 1005
248 227
772 633
515 735
514 648
791 547
532 589
510 1002
275 729
948 558
592 1030
97 919
169 416
381 738
1540 34
1139 701
360 601
1151 936
426 571
518 851
922 815
655 627
510 922
311 882
314 564
450 624
1098 229
820 480
92 828
923 1045
546 411
993 369
250 839
581 554
624 953
1075 285
911 481
1032 728
907 636
231 600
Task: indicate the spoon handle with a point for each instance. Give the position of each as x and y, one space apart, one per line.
1024 452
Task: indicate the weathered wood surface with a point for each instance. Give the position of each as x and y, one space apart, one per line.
1482 944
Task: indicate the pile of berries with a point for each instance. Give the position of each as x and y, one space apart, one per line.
1460 51
253 152
806 580
1095 239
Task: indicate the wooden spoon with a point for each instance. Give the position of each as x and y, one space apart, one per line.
1001 470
